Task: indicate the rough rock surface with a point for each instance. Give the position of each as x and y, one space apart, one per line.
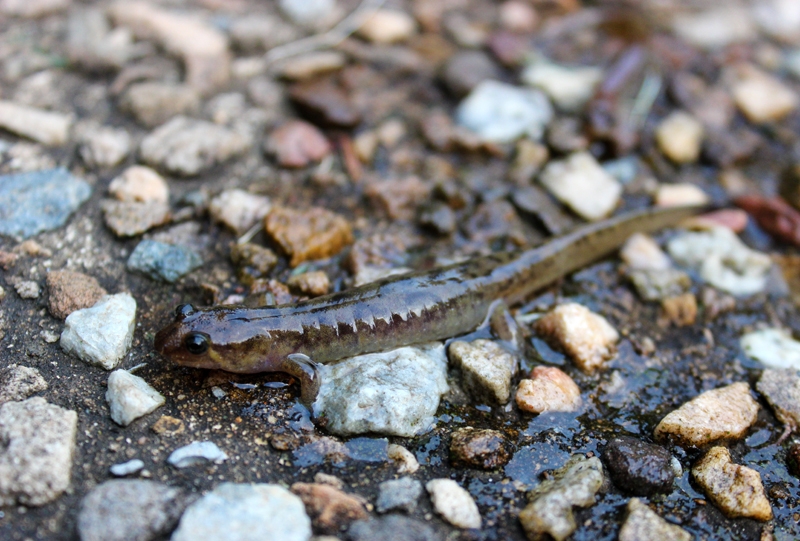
587 338
101 335
735 489
38 446
395 392
235 511
486 369
129 510
642 523
550 507
724 413
454 503
19 382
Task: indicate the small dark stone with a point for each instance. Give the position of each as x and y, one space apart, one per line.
790 185
638 467
130 510
252 261
392 528
726 148
483 449
438 218
325 103
466 69
793 459
566 135
495 220
399 494
534 201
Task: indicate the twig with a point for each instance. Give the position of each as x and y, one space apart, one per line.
328 39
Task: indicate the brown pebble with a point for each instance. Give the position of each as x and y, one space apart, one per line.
330 509
284 442
297 144
549 389
737 490
326 103
680 310
252 261
314 283
70 291
587 338
482 449
268 293
7 259
315 233
399 198
168 426
774 215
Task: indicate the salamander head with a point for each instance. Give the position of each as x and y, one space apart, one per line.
194 340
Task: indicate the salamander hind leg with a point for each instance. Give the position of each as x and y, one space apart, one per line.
303 368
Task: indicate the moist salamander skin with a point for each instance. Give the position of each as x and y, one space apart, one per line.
390 313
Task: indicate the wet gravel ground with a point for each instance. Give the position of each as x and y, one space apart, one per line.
394 95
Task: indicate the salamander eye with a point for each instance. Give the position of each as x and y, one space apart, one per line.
183 310
196 343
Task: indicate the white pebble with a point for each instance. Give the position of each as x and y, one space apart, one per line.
679 137
101 335
774 347
724 261
126 468
583 185
641 252
139 183
454 503
238 209
682 193
501 113
570 87
130 397
197 452
388 26
763 98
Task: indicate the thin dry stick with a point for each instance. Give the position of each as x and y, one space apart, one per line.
331 38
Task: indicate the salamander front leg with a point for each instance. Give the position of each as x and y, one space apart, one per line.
303 368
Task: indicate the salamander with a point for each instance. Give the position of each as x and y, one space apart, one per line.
400 310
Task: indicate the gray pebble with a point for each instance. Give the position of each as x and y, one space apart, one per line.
129 510
397 391
104 146
466 69
392 528
245 512
19 382
781 388
39 201
161 261
185 146
403 494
